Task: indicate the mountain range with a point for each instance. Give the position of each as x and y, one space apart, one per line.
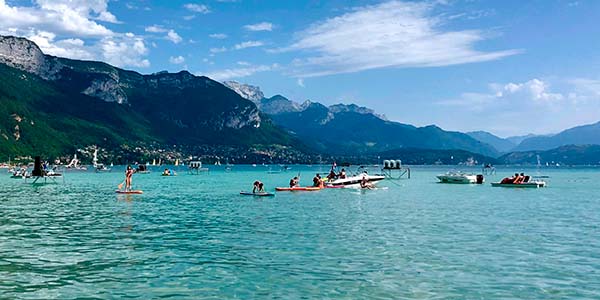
53 106
350 129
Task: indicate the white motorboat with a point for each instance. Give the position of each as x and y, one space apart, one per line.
461 178
355 180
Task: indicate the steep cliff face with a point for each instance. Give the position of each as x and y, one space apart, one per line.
93 102
25 55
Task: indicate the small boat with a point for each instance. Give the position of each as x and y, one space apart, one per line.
298 188
257 194
460 178
75 164
533 184
142 169
20 173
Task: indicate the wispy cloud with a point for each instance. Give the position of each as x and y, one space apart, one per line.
391 34
235 73
218 50
263 26
248 44
176 60
218 36
155 29
197 8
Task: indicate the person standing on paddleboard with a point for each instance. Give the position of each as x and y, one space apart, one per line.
128 175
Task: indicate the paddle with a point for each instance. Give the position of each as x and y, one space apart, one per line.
120 186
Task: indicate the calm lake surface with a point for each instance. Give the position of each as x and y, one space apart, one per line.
194 237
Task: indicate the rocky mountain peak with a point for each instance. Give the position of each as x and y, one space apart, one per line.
250 92
339 108
23 54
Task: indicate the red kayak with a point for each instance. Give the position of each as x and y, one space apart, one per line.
298 188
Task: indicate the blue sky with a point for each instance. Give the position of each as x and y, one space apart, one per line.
508 67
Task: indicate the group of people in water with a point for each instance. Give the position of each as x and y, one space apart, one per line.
517 179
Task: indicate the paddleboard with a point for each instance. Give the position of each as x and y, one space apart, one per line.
261 194
308 188
130 192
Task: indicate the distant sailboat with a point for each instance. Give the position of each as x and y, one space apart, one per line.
75 164
97 166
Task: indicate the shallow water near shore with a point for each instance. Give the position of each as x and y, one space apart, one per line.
195 237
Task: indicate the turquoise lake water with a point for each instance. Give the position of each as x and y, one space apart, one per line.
194 237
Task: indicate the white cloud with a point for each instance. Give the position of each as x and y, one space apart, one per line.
197 8
247 44
513 108
128 50
72 48
243 63
300 82
217 50
171 34
391 34
155 29
177 60
238 72
174 37
534 92
70 28
190 17
60 16
537 90
218 36
263 26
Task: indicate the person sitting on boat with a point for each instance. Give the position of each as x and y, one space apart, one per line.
258 187
517 179
317 180
521 178
331 175
294 182
365 184
342 174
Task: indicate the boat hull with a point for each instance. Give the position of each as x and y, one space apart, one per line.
354 181
457 179
520 185
288 189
